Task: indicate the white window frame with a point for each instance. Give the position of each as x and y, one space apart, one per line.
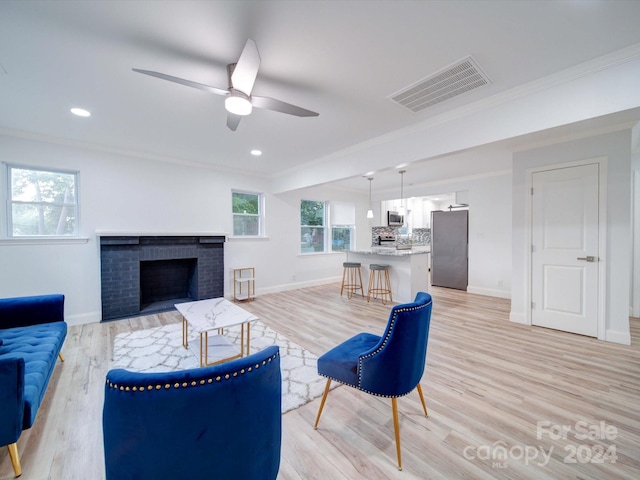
9 202
260 215
343 216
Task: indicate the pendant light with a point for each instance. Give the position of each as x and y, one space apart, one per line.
370 211
402 210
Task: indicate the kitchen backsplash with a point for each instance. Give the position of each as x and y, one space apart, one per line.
419 236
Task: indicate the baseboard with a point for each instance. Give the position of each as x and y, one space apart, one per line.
613 336
292 286
489 292
518 318
83 318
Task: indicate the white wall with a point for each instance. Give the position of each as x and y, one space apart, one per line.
126 194
617 148
489 198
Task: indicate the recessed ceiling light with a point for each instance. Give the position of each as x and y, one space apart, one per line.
81 112
256 153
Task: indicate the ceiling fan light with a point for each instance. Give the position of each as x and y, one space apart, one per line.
238 103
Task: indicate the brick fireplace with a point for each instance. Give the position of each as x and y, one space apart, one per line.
148 274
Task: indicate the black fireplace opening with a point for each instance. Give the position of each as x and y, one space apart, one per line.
164 283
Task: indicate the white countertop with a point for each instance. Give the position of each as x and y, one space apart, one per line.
392 251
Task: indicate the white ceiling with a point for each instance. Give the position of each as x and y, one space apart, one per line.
342 59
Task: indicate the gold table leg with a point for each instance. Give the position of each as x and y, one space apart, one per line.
248 338
204 343
185 333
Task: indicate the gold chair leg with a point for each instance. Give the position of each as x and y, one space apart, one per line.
396 427
324 398
424 405
61 357
15 458
388 279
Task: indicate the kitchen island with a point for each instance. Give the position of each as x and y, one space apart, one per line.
409 269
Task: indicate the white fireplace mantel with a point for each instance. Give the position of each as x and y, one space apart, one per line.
100 233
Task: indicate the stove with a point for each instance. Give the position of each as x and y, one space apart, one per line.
386 240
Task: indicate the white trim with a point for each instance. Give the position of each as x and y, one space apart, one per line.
113 233
293 286
518 318
84 318
248 237
602 163
635 278
489 292
623 338
43 240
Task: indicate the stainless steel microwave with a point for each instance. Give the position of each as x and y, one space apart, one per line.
394 219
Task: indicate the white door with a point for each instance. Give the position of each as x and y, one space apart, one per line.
565 249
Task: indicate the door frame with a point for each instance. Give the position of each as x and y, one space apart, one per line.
635 279
602 163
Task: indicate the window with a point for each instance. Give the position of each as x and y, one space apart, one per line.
343 219
42 202
247 214
342 237
312 226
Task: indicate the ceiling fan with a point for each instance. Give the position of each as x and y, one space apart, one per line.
239 101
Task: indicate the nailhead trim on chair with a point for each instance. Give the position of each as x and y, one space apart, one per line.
194 383
386 338
384 342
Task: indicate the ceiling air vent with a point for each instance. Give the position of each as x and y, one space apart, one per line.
461 77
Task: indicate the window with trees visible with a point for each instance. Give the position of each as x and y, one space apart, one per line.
342 238
248 218
312 226
41 202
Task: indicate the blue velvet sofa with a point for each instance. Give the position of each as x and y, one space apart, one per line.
218 422
32 331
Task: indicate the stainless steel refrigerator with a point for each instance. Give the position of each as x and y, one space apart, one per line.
449 249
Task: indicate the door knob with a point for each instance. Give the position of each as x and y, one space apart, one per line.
588 259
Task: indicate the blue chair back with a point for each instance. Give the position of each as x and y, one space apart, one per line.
222 421
395 365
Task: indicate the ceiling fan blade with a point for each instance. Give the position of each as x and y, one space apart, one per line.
233 121
280 106
246 69
182 81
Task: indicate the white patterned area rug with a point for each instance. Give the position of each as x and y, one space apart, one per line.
160 350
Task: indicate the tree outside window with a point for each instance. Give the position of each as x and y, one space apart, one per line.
312 226
341 237
247 213
42 202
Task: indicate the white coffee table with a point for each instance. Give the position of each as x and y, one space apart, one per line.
215 314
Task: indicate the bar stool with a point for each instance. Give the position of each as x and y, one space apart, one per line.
351 279
379 282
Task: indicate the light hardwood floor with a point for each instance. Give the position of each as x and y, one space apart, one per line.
488 383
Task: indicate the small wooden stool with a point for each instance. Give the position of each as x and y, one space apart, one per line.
379 282
351 279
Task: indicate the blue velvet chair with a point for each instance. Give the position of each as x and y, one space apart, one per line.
223 421
387 366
